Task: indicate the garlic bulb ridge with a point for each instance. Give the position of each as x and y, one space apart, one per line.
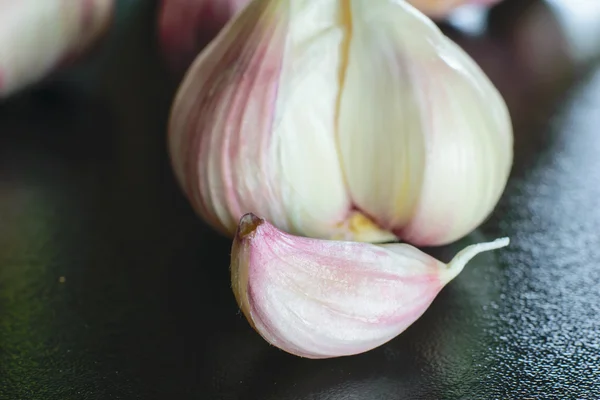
340 119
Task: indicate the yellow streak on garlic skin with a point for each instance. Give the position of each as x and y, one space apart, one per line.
357 226
239 263
360 228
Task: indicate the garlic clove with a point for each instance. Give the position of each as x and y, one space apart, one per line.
252 126
37 37
319 299
221 118
439 146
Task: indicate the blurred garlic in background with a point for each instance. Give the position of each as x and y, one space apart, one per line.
37 37
185 27
346 120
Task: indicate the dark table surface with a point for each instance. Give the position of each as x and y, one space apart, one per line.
111 288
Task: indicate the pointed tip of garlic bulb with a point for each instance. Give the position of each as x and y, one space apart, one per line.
457 264
323 298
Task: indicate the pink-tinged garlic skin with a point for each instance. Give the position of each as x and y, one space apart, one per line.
37 37
241 135
187 26
319 299
344 120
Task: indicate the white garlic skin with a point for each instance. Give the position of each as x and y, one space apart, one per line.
37 36
321 299
347 120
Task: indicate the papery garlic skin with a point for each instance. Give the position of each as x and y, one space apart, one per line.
36 36
187 26
319 299
336 119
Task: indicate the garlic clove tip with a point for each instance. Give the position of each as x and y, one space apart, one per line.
457 264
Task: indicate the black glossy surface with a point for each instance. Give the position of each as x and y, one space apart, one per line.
110 288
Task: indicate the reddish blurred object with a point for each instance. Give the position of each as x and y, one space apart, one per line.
38 37
187 26
440 9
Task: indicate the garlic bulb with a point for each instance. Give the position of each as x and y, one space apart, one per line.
440 9
186 26
37 36
348 120
317 298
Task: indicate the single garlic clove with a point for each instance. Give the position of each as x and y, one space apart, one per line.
185 27
37 37
318 298
439 149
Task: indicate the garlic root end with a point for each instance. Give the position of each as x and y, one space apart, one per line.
248 224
